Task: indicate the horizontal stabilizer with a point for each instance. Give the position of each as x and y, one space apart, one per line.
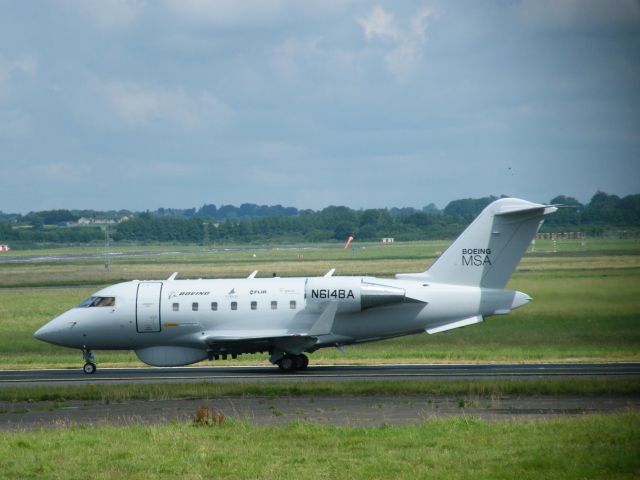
457 324
513 209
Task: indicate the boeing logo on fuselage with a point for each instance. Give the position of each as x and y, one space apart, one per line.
180 294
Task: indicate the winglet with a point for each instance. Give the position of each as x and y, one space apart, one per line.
173 276
330 273
253 274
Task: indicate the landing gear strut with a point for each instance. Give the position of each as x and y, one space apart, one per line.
90 359
290 363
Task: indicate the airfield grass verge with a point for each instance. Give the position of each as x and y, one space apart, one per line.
592 316
585 307
206 390
598 446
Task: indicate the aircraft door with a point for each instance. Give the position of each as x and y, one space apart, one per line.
148 307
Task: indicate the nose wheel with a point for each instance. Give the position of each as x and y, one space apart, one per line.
89 358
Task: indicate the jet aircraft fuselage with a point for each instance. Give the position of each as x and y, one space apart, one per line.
178 322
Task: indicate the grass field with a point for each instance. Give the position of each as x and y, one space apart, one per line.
586 307
153 262
207 390
587 447
586 301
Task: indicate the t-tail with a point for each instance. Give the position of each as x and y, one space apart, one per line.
488 251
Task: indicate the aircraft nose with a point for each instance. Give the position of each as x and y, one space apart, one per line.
45 333
56 331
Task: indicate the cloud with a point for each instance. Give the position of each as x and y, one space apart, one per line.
379 24
15 124
407 43
253 13
141 105
225 13
107 14
66 172
580 14
298 60
13 70
274 150
163 169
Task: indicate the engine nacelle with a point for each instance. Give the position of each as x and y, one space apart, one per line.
352 294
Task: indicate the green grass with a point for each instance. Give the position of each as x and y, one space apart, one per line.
588 317
486 388
368 259
586 302
602 446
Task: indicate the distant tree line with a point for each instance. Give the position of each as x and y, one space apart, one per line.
9 233
255 223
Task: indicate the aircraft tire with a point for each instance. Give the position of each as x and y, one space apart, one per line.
287 364
298 362
89 368
304 361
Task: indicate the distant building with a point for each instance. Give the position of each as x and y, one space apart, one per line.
560 236
4 248
101 221
387 240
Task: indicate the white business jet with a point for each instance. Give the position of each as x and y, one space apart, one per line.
179 322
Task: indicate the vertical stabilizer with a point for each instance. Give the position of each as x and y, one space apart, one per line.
488 251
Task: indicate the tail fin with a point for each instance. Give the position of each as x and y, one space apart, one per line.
487 252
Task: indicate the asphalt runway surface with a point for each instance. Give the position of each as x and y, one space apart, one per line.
17 378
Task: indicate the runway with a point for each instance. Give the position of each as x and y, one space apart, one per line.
16 378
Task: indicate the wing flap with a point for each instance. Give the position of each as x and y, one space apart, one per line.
290 343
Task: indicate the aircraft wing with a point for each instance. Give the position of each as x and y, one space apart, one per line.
282 339
292 343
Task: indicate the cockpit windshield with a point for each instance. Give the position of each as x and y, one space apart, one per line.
98 302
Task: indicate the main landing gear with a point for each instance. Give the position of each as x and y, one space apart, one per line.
290 363
90 359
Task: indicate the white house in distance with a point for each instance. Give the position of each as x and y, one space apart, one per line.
387 240
101 221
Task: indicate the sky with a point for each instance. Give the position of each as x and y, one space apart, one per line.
140 104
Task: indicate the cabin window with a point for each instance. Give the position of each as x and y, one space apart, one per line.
194 306
234 305
214 306
274 305
254 305
292 304
98 302
176 307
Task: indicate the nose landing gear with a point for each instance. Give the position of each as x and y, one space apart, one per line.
89 358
